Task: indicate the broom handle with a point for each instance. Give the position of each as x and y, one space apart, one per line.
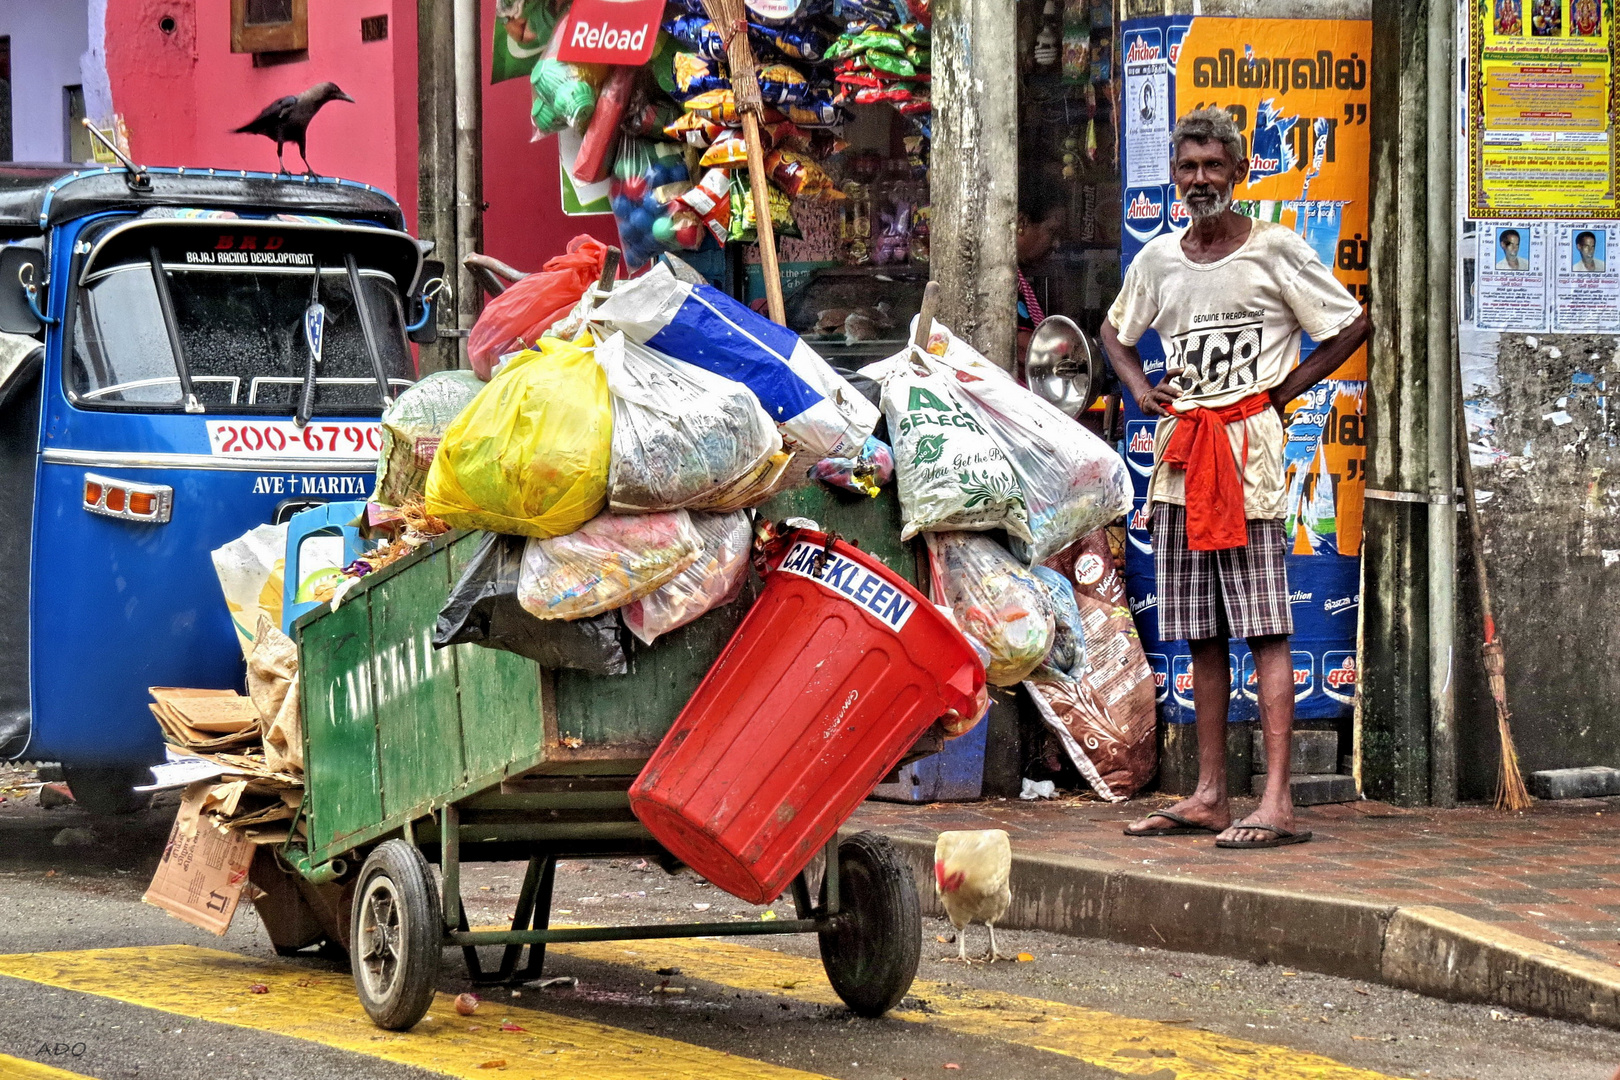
762 219
1465 467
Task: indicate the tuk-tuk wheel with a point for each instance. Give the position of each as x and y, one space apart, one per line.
108 791
872 957
397 928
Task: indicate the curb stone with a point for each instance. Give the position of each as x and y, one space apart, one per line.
1428 950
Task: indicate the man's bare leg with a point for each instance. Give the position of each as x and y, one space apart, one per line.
1212 689
1274 669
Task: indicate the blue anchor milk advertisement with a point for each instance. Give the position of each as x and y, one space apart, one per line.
1298 90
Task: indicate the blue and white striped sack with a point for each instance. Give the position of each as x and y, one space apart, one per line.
816 409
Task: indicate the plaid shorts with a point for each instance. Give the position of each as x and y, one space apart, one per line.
1239 592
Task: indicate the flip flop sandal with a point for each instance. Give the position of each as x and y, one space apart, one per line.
1279 838
1183 826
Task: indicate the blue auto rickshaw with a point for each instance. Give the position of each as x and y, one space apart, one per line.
160 396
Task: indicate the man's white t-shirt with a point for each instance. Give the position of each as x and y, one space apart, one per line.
1233 327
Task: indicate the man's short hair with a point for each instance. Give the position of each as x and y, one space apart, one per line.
1502 237
1213 124
1587 235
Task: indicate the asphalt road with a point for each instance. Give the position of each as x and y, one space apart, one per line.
89 995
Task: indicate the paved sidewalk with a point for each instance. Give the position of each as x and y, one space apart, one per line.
1551 874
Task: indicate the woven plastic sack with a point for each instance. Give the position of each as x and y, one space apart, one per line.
952 474
515 319
1073 482
609 562
994 600
713 580
681 435
412 428
530 455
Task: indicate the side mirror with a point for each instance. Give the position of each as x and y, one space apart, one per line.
22 280
424 326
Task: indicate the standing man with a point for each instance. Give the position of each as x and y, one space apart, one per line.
1228 299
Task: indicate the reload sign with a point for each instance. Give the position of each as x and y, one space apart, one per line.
611 31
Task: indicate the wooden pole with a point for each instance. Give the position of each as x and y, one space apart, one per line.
731 21
436 167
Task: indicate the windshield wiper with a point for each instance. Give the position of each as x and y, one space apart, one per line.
367 330
314 323
182 367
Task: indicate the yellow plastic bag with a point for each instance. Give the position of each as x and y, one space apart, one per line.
529 456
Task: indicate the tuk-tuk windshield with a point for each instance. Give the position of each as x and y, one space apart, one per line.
242 332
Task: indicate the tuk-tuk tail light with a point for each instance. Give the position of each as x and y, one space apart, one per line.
151 504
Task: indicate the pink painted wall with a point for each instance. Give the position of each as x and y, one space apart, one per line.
182 93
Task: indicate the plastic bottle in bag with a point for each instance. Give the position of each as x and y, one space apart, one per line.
680 434
608 562
713 580
995 600
952 474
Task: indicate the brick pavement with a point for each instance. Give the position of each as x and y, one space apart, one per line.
1552 873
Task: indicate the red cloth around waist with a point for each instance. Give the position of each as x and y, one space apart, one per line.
1215 511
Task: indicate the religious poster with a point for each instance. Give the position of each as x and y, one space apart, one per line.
1541 101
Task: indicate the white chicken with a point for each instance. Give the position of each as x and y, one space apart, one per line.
970 877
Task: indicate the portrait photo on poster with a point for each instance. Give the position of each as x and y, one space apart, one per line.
1509 248
1511 275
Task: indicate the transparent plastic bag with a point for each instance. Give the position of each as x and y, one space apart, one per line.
952 474
412 428
713 580
681 435
1067 657
645 192
608 562
530 455
866 474
994 600
1073 483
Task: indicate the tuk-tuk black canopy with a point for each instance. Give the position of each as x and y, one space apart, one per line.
35 197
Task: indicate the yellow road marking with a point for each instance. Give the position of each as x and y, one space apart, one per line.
1119 1043
321 1007
22 1069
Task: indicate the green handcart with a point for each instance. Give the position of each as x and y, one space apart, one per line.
415 756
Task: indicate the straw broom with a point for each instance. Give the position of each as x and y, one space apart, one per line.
1511 794
731 21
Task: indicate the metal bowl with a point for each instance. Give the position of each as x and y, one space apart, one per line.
1063 365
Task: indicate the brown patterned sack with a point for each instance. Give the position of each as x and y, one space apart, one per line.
1106 718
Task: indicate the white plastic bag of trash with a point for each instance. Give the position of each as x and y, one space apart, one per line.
1038 789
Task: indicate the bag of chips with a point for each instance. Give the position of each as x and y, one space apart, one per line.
728 151
798 41
744 226
698 34
800 177
710 200
717 105
781 84
694 130
696 74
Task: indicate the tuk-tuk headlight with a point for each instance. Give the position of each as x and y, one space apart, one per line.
152 504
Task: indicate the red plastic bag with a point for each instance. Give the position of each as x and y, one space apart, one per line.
516 318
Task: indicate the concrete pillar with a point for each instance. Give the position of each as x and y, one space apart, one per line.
974 183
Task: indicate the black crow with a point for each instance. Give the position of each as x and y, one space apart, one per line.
286 120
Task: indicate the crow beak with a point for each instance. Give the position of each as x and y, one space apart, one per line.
341 96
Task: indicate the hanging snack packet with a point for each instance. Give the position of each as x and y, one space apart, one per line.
728 151
698 34
679 433
888 63
606 563
994 600
781 84
797 41
715 579
710 200
800 177
952 474
717 105
814 113
743 224
879 13
695 74
694 130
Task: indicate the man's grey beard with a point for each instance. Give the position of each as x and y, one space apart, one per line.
1223 199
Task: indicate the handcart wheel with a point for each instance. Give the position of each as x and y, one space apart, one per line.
871 958
396 936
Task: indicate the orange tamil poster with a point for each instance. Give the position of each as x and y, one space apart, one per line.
1299 90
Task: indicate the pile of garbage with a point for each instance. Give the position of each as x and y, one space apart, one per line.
254 742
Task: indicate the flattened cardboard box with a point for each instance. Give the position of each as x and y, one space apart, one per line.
203 870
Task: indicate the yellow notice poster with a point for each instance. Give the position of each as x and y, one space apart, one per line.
1541 97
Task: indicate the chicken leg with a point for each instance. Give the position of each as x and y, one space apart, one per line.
994 954
961 949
